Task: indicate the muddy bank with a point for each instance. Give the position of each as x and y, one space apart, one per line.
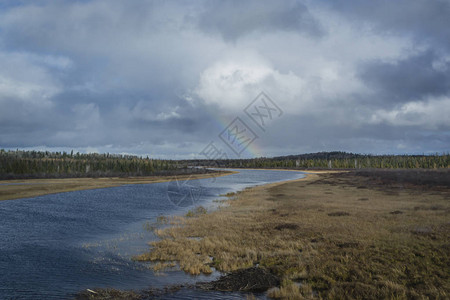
245 280
250 280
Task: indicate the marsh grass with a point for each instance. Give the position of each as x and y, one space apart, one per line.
229 194
149 226
199 210
336 245
291 290
162 220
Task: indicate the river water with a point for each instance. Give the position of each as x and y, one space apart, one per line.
53 246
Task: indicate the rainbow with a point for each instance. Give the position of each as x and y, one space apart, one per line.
253 150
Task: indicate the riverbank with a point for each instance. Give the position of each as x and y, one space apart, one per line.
330 235
26 188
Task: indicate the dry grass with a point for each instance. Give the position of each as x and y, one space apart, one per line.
335 234
291 290
199 210
38 187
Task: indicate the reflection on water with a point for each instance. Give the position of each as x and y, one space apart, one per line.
53 246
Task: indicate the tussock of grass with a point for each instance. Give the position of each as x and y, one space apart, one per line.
162 220
368 253
230 194
291 290
149 226
199 210
162 266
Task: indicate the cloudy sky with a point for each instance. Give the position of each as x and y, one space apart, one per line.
165 78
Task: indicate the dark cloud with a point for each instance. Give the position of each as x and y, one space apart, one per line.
426 21
314 133
164 77
411 79
234 18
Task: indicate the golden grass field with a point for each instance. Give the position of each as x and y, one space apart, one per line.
331 236
38 187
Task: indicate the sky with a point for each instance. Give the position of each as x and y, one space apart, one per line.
192 79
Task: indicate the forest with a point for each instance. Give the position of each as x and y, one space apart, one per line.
335 160
44 164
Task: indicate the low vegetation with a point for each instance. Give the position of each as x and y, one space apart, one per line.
331 236
199 210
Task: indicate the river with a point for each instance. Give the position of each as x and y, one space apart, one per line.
54 246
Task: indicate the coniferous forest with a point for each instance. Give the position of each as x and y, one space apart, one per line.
335 160
45 164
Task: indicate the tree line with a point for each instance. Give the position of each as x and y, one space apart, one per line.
45 164
335 160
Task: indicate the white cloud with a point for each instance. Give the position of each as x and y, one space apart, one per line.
145 112
109 71
305 75
167 115
23 78
429 114
233 82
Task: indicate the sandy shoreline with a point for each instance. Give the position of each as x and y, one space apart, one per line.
339 235
26 188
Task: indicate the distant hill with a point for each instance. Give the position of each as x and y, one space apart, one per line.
321 155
